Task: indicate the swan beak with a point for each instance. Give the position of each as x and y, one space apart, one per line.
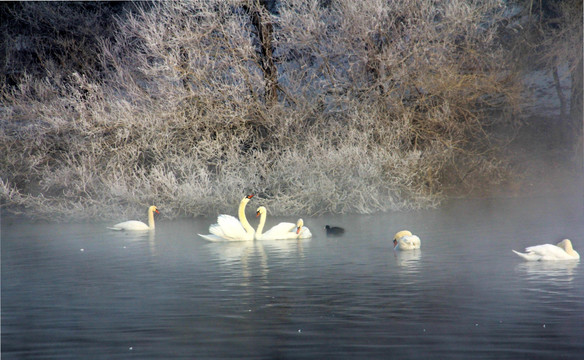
257 214
156 211
394 242
250 196
298 230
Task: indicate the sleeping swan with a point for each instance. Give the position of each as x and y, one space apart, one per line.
404 240
135 225
562 251
228 228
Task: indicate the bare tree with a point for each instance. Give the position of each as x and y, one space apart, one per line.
264 30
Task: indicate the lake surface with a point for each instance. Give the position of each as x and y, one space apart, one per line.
80 291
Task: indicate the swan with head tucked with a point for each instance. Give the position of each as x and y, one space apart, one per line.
405 240
228 228
135 225
548 252
282 231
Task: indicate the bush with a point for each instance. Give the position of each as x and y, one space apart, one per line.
380 106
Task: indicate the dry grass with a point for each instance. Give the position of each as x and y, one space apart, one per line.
381 105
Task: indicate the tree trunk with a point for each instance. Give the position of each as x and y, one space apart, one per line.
258 12
576 95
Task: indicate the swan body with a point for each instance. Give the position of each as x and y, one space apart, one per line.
282 231
228 228
334 230
405 240
135 225
548 252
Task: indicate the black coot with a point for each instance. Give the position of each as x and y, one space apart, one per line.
334 230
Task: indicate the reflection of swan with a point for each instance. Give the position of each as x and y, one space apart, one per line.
152 243
560 271
242 260
404 240
547 252
230 253
134 225
286 250
282 231
229 228
408 259
141 239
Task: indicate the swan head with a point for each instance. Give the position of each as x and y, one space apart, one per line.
246 199
400 235
261 210
299 225
153 208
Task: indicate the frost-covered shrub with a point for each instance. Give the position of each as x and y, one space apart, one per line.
380 105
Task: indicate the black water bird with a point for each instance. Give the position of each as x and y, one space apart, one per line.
334 230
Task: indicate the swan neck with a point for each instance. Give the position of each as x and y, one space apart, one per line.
242 218
151 218
261 224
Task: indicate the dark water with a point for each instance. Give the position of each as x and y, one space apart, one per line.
84 292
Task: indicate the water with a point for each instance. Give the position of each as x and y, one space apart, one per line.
82 291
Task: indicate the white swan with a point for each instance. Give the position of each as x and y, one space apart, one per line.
562 251
282 231
134 225
228 228
405 240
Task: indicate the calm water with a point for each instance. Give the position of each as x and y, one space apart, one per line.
84 292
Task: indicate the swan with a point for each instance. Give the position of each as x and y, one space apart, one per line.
282 231
228 228
405 240
135 225
334 230
561 251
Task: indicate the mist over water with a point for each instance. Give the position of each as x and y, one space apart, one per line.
81 291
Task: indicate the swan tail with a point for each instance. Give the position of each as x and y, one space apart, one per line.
114 228
528 256
211 237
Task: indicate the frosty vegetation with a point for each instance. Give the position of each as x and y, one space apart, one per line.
315 106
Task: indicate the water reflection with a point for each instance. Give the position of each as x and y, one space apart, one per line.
287 248
136 236
548 283
240 258
408 261
558 271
